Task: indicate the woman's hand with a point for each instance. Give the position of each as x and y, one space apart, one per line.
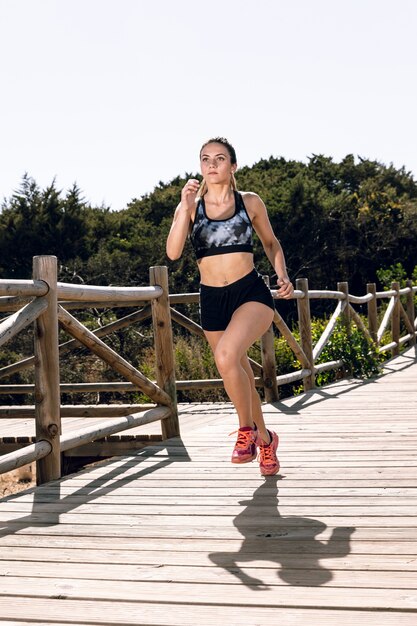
285 288
188 194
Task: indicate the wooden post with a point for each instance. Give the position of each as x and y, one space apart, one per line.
373 313
269 370
164 348
47 394
411 310
395 320
304 322
344 287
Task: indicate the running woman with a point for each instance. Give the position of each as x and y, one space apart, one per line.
236 306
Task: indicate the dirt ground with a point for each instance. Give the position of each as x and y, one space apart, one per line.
17 480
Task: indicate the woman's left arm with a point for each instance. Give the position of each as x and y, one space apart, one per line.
273 249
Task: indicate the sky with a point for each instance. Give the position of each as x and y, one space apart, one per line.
118 95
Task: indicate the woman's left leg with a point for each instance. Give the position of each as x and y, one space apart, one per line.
249 322
257 415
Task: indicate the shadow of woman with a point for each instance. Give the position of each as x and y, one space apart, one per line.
289 541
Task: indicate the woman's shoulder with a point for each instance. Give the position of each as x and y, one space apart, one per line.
253 202
250 196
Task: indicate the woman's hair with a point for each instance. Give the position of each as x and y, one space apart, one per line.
226 144
232 153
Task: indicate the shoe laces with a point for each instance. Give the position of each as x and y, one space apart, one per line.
244 438
266 454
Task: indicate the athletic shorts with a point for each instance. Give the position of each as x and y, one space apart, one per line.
217 304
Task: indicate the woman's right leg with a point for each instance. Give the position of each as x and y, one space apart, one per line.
243 401
254 415
240 394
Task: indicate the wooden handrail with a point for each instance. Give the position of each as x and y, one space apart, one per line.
84 293
42 449
28 454
27 288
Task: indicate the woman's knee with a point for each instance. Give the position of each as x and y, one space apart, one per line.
226 359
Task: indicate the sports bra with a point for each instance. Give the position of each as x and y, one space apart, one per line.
233 234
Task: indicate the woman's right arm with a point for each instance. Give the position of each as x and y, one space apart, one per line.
182 220
178 233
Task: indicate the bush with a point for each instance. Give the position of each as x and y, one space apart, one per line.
358 354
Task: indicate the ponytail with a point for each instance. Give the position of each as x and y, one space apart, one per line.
202 189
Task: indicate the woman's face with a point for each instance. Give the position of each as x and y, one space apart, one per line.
215 163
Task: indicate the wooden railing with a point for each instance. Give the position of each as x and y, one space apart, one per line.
46 303
307 354
46 310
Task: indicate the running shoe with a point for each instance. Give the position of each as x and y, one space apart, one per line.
268 461
245 447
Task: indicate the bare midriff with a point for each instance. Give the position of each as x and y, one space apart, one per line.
222 269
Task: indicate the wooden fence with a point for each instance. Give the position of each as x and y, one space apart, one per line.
46 303
48 308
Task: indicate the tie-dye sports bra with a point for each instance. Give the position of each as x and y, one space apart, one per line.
234 234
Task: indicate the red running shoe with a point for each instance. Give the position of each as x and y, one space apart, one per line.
245 447
268 461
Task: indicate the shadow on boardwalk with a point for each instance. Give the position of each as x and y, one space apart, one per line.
116 477
289 541
295 404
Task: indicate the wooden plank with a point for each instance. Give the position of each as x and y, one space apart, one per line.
281 594
151 483
375 545
229 570
305 474
175 613
226 558
218 510
171 546
126 493
55 526
190 520
194 497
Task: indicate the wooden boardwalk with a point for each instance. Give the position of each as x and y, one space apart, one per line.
176 535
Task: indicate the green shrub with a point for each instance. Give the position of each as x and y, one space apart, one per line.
358 354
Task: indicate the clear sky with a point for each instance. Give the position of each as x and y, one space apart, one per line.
118 95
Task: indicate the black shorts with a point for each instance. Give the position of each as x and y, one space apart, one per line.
217 304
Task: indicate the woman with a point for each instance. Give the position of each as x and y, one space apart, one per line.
235 304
